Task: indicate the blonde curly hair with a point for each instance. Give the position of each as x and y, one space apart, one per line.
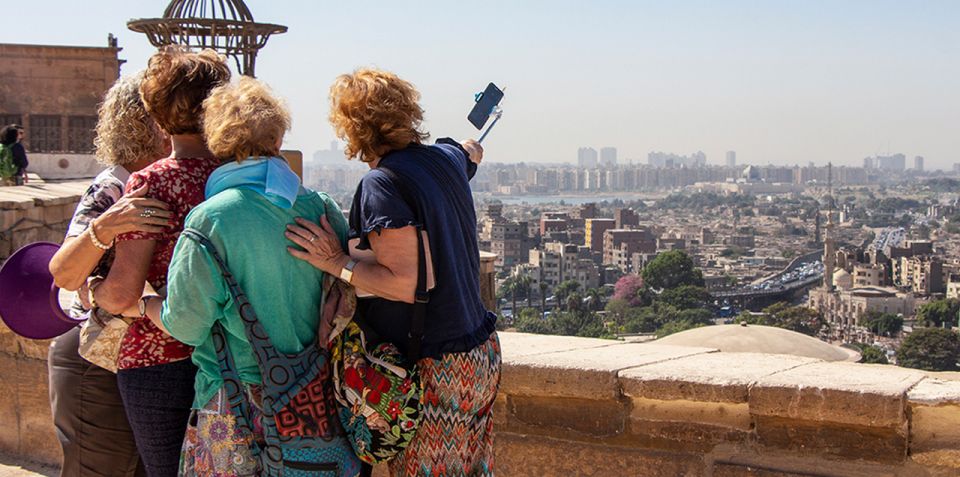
125 131
375 112
244 119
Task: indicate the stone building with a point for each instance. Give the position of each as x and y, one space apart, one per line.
922 274
594 230
619 245
54 92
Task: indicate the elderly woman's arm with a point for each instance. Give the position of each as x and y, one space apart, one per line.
123 286
394 274
78 255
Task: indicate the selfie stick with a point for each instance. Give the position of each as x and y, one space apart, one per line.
496 113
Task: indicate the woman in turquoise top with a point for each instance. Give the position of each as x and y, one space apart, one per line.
249 202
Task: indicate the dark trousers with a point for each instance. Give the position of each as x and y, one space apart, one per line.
88 414
158 401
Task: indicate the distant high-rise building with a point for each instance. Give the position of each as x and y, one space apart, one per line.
334 155
731 158
956 168
587 158
918 163
663 159
894 163
608 157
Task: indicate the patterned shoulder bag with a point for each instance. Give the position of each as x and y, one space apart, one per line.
378 387
302 435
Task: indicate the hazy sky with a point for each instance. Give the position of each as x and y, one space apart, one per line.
780 82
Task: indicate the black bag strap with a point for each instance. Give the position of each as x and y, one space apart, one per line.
421 295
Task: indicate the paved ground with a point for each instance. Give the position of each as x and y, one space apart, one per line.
13 467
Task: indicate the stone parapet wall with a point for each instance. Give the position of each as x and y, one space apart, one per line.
36 213
581 406
577 406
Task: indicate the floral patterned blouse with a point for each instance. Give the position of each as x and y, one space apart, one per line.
104 191
180 183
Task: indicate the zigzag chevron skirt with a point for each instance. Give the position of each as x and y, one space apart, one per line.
455 437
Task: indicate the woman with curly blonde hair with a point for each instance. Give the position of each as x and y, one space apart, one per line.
413 188
86 404
249 201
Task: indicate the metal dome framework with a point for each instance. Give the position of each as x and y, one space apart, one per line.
226 26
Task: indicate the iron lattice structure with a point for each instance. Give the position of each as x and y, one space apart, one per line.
226 26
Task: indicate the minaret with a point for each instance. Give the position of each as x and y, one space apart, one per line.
829 252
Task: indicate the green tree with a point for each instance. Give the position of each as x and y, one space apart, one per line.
871 354
509 288
887 324
685 297
523 284
640 320
529 322
564 289
594 299
618 310
670 270
543 298
931 349
795 318
936 313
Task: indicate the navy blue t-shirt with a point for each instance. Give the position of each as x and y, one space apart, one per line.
438 177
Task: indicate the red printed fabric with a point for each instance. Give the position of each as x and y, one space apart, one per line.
180 183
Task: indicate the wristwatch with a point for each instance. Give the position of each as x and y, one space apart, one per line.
142 304
346 273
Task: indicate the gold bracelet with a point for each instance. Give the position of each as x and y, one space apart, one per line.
96 241
92 284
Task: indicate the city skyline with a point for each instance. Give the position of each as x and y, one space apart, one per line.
778 83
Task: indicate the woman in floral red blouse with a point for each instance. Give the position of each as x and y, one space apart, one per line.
155 376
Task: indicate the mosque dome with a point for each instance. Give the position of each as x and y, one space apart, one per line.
759 339
842 279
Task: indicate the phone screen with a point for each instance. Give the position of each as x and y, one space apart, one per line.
489 99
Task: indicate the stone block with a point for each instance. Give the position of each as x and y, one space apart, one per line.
846 441
30 218
8 217
9 406
682 435
534 456
517 345
725 415
935 421
6 247
24 236
589 373
870 396
38 438
567 415
714 377
738 470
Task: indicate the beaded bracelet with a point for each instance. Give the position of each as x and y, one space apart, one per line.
96 241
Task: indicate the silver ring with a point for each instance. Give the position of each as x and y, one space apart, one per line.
313 238
148 212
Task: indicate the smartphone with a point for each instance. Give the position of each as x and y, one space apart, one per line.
486 102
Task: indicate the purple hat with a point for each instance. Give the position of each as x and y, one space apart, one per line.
30 303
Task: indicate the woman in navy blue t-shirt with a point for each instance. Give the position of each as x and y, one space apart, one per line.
411 185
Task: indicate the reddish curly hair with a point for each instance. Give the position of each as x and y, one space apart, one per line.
375 112
175 84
